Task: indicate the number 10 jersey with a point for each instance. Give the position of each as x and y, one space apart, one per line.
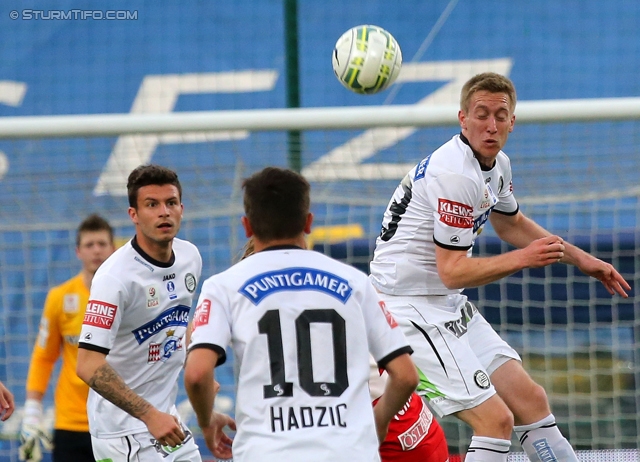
301 327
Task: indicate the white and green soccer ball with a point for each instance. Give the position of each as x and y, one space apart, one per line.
367 59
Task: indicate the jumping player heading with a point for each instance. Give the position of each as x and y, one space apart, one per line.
422 262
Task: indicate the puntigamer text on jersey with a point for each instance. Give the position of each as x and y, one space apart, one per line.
258 287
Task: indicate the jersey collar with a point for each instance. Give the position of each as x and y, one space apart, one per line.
475 154
283 247
153 261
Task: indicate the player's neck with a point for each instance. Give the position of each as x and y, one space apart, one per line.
159 251
87 277
298 241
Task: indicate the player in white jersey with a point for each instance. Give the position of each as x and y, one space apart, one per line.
301 326
131 346
422 262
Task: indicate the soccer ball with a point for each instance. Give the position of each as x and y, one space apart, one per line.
367 59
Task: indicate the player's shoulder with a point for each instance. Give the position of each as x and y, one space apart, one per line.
263 263
450 158
72 285
503 161
182 245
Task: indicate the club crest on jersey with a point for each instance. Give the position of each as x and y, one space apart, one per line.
153 298
455 214
190 282
173 317
163 350
262 285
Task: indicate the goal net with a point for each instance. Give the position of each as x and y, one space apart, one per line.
575 172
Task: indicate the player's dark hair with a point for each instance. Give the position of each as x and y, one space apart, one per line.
276 203
93 222
487 81
150 174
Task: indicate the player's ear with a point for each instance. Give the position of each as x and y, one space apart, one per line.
248 231
308 223
133 214
462 119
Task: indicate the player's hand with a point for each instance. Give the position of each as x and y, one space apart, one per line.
7 405
33 436
606 274
543 252
218 442
165 428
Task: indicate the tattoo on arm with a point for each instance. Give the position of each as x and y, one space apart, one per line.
110 386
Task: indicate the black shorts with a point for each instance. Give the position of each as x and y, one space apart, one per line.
72 446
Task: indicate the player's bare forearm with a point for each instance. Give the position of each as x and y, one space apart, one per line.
457 270
199 383
402 382
517 230
108 383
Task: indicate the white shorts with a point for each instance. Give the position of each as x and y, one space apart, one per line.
455 349
143 447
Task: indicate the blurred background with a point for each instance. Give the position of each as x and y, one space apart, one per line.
579 180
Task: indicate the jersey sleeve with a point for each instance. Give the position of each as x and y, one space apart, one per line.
212 321
386 340
48 344
507 203
103 314
452 197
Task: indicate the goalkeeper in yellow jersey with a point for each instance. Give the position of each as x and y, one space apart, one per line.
60 327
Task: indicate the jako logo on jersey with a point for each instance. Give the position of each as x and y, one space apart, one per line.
168 277
100 314
258 287
387 314
455 214
176 316
421 169
201 317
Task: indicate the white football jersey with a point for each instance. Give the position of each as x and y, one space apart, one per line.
445 200
137 314
301 326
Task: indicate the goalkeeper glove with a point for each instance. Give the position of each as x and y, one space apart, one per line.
33 436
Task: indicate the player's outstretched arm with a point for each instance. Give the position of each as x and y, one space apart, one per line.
520 231
403 380
604 272
96 372
201 387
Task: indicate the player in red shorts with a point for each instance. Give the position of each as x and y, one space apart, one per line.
414 434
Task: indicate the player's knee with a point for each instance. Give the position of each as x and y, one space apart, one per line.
538 397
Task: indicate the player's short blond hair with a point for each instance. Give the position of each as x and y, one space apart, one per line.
491 82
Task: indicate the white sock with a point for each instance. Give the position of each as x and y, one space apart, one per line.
543 442
485 449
